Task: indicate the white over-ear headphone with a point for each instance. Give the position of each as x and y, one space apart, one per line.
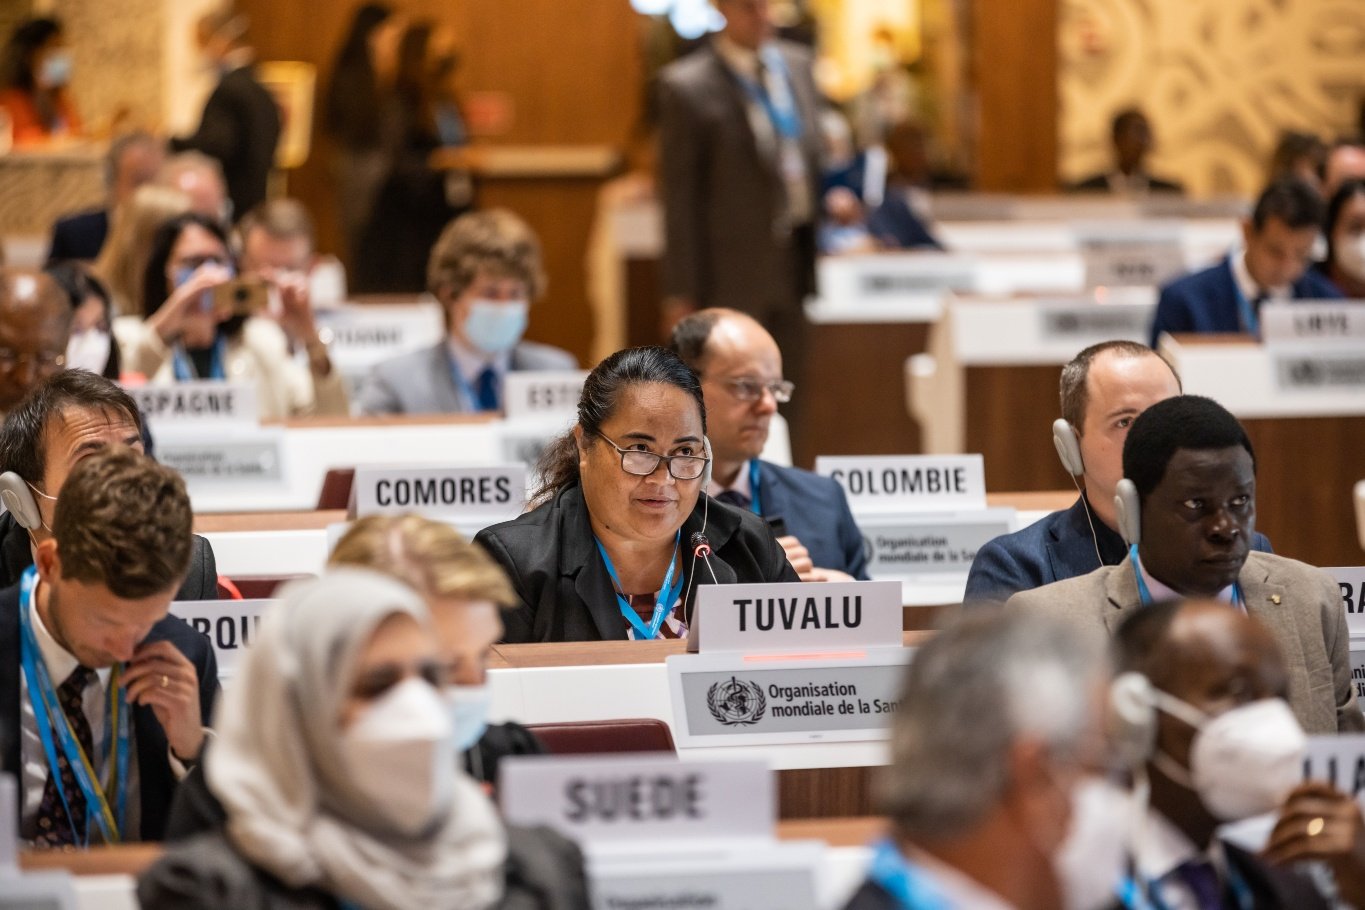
1133 704
19 502
1068 447
1129 512
706 472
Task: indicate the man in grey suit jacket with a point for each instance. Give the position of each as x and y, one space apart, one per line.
485 270
1188 509
739 166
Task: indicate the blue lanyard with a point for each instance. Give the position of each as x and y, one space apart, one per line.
1250 321
47 709
910 889
755 497
668 594
1131 897
184 368
786 119
1146 595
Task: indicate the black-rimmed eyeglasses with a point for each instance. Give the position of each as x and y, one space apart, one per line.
642 463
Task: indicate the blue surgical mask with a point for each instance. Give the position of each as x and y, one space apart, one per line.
468 707
495 326
185 272
56 70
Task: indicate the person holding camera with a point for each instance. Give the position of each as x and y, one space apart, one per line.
204 323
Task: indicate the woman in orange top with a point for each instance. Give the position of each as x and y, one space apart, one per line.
38 68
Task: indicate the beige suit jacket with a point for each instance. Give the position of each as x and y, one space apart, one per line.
1300 604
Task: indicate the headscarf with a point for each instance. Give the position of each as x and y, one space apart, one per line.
276 763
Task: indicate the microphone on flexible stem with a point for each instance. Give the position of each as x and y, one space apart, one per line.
702 547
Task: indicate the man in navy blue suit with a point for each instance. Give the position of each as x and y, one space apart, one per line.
1103 389
1273 266
132 160
741 377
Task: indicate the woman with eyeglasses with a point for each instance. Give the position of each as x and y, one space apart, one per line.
611 549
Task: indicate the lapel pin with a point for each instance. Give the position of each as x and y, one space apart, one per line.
1275 599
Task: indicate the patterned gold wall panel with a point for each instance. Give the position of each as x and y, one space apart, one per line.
117 48
1219 78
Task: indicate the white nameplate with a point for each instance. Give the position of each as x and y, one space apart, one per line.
908 482
1351 580
1358 664
492 492
524 441
198 401
793 616
891 277
214 458
551 393
1338 760
932 544
229 625
638 796
40 891
1320 370
1085 322
730 700
1126 254
360 336
729 874
1313 321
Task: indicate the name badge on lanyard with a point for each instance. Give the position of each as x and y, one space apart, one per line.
51 719
663 605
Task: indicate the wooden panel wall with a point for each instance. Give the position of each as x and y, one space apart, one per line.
1014 70
572 73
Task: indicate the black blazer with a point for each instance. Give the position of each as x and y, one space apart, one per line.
153 763
16 555
79 236
240 127
565 592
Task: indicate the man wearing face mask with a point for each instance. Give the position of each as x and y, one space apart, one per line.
988 790
1187 508
485 271
1200 713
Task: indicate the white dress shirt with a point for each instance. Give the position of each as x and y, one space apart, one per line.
741 484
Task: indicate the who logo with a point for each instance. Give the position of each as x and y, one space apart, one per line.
735 703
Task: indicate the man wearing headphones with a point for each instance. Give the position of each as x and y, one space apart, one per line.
1199 713
103 697
1103 389
68 417
1187 508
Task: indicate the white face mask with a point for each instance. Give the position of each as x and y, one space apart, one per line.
494 326
468 709
1090 863
400 755
1243 762
88 350
1351 257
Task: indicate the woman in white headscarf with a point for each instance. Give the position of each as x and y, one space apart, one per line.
334 766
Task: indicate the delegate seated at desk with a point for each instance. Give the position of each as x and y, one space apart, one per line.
609 552
1273 266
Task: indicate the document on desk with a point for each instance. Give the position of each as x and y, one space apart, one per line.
218 457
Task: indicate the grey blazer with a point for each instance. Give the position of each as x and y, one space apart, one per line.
723 195
422 382
1300 604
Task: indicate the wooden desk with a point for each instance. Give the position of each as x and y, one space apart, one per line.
837 832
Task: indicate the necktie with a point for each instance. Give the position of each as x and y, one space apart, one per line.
734 498
487 389
1199 876
55 827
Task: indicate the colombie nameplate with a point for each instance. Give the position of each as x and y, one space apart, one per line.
908 482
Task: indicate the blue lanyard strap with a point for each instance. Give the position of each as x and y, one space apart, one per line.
183 367
785 117
1134 898
911 889
1250 321
755 496
50 718
1145 593
663 605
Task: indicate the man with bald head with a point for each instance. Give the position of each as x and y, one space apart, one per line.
35 325
740 367
200 178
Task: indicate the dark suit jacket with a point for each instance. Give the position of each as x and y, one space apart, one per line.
1207 301
723 194
1055 547
240 127
16 555
564 589
153 764
816 512
896 226
1099 183
79 236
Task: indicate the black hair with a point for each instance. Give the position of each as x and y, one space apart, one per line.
1123 119
1344 194
22 437
602 390
1137 646
155 288
1182 422
690 335
1290 200
350 105
24 42
80 284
